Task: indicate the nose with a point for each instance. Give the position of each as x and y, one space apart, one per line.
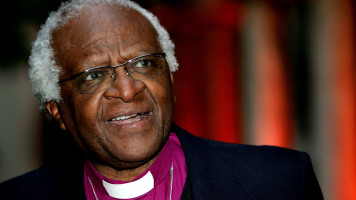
123 86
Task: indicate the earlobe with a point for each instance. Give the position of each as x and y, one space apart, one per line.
53 110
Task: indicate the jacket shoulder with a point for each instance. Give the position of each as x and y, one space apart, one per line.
48 182
262 172
31 185
254 153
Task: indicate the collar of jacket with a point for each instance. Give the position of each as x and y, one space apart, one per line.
209 169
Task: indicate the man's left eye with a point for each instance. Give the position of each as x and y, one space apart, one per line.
143 64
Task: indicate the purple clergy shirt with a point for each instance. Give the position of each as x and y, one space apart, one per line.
164 179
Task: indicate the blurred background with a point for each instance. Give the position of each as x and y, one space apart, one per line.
264 72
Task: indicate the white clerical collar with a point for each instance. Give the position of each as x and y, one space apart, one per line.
132 189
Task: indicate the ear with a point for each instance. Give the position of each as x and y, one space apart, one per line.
53 110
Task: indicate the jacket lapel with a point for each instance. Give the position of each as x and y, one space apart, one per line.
210 173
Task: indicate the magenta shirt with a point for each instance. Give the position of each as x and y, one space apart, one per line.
166 181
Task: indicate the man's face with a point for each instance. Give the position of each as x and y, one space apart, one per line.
103 36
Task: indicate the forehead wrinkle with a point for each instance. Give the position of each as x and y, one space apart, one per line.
105 37
95 49
89 44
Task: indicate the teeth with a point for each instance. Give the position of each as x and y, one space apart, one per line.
128 117
124 117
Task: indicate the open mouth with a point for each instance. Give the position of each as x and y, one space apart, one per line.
129 119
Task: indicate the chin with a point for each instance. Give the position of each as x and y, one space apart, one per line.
132 157
130 161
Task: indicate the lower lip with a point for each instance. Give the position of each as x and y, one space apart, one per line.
135 124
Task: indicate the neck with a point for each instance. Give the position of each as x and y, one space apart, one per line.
127 174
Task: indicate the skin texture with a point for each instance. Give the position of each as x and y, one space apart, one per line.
99 36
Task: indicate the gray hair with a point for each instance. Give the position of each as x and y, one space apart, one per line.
44 72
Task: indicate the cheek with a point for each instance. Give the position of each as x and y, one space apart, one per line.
83 110
80 116
163 94
90 107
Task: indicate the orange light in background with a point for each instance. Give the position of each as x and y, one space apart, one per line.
272 115
344 98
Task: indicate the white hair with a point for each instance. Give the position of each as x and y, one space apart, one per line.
44 72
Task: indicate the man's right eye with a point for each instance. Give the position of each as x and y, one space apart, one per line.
92 76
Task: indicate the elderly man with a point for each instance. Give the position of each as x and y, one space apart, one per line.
103 70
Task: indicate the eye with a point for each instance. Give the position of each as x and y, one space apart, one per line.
92 76
143 64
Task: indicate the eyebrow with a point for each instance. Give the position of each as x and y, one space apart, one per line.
92 60
90 64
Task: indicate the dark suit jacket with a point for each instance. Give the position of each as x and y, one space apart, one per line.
216 170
